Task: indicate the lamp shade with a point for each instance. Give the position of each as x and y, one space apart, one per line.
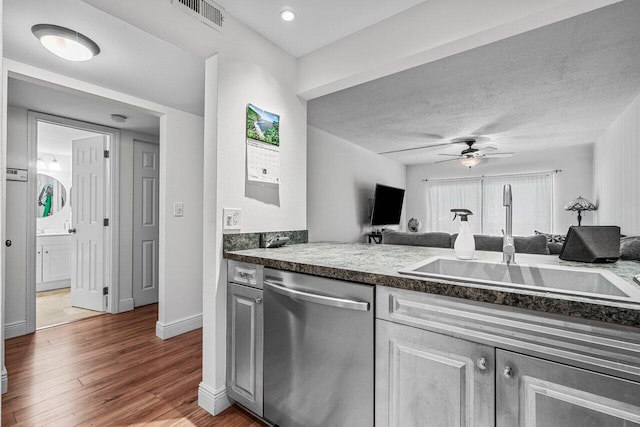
580 204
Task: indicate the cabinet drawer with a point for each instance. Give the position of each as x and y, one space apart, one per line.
245 274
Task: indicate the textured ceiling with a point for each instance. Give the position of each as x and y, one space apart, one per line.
558 85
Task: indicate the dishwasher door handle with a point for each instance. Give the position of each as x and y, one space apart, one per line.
317 299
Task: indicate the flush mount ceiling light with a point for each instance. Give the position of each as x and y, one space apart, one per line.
470 161
65 43
287 15
118 118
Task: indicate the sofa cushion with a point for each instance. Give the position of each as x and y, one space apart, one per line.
524 244
630 248
433 239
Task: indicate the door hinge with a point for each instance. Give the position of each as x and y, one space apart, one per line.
105 291
106 154
105 222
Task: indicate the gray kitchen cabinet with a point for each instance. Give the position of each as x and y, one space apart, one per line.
430 379
535 392
245 332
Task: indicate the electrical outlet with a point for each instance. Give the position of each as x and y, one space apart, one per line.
231 218
178 209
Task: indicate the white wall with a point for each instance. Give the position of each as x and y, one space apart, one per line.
341 177
576 179
248 69
616 172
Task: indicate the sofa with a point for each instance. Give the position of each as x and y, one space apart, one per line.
536 244
540 243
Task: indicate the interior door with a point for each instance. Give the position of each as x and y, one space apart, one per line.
87 204
145 223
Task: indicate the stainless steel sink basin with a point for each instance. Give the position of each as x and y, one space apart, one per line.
585 282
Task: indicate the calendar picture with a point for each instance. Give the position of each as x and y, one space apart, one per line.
262 125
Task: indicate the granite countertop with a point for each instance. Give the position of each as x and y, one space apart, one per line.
379 265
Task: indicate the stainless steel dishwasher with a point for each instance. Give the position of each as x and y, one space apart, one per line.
318 351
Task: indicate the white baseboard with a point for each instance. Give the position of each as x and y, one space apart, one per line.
211 400
5 379
178 327
125 305
56 284
15 329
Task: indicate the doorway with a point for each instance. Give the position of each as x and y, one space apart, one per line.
71 227
66 286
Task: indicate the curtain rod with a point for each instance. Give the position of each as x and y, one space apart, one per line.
493 176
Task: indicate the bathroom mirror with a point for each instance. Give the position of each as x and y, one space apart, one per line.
52 196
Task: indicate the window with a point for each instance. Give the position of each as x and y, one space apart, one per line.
532 203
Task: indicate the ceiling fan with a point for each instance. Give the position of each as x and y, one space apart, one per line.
471 156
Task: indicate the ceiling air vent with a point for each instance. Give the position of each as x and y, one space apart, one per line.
206 10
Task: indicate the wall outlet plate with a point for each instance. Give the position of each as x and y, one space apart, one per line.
231 219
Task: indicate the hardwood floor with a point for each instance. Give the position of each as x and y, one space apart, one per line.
108 370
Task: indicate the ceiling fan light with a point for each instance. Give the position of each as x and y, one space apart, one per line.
65 43
470 161
287 15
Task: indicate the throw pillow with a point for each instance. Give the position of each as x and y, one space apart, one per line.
630 248
552 238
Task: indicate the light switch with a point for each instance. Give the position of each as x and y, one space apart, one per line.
178 209
231 219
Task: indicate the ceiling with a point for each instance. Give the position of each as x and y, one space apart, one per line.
76 105
559 85
148 68
317 23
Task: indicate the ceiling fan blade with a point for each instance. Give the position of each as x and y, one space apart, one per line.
448 160
422 148
489 147
450 155
498 155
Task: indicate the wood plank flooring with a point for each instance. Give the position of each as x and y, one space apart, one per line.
108 370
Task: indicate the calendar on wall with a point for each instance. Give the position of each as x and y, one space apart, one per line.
263 145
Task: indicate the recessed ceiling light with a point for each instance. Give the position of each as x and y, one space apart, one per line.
287 15
65 43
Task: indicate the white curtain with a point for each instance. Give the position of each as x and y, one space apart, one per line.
442 196
532 204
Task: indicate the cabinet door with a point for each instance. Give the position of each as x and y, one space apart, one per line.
534 392
56 262
245 346
39 264
428 379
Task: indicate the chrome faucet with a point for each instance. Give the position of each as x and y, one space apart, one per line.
508 246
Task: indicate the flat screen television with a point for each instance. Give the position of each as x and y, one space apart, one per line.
387 205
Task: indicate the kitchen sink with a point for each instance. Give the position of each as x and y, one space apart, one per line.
593 283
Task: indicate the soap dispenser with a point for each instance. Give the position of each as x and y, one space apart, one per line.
465 244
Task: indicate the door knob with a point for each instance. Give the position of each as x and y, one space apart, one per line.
508 372
8 243
482 363
72 230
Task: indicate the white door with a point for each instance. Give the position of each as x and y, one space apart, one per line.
87 204
145 223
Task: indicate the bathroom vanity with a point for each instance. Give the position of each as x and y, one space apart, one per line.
53 261
454 353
